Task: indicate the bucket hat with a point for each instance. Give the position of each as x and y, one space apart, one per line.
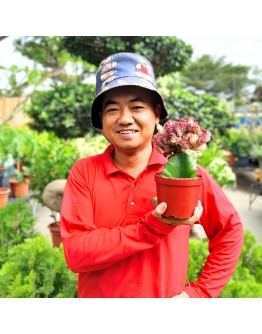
123 69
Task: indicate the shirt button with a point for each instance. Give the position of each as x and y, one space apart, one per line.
132 203
133 185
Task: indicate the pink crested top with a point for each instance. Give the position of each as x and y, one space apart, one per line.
182 135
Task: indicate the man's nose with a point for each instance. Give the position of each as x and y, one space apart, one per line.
126 116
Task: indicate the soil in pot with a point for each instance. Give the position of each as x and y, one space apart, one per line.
181 195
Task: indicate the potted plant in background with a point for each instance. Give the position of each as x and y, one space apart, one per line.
214 160
178 184
236 142
52 198
4 189
20 183
4 194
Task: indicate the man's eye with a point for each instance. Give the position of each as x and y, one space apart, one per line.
138 107
111 110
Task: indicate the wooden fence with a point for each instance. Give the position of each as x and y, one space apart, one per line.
11 109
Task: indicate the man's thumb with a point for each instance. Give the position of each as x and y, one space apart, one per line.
159 210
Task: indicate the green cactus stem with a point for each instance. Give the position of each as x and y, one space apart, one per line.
180 165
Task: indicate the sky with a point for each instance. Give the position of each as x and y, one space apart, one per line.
243 50
238 50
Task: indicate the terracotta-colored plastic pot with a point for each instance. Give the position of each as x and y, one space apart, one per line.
4 193
19 189
55 233
180 195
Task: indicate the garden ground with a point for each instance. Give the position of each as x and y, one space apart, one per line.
239 195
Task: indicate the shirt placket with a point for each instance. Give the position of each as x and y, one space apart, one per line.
131 203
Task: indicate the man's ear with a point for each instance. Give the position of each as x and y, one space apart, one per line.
158 110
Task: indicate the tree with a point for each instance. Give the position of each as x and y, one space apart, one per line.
166 53
215 76
52 110
51 63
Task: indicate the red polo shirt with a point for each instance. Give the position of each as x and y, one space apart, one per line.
120 250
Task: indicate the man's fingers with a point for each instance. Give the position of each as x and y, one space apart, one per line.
198 211
159 210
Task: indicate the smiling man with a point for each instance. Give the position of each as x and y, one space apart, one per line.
129 120
113 236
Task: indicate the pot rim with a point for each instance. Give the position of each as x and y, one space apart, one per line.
199 176
4 190
181 182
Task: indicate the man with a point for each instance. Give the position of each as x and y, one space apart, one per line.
112 234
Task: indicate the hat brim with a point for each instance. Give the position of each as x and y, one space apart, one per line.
127 81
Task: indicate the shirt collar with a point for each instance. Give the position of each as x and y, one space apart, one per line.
156 158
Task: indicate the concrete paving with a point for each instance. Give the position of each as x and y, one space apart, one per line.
239 195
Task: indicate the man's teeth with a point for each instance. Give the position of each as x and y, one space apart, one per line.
126 132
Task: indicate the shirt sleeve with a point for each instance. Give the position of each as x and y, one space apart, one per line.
89 248
224 230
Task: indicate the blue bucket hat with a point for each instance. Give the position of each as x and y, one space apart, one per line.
124 69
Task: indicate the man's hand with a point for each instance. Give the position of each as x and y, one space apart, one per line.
183 294
161 208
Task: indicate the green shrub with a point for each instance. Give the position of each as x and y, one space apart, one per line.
19 143
252 259
90 145
246 282
35 269
235 140
16 224
206 109
197 257
55 156
213 159
52 160
64 109
241 289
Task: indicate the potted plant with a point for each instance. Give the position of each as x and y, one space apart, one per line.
52 198
19 184
178 184
4 193
256 153
236 142
214 160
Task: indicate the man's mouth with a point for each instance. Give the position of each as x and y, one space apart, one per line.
126 131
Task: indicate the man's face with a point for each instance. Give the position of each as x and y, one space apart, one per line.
128 117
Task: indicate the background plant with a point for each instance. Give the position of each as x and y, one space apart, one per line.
35 269
63 109
215 76
214 160
235 141
19 143
167 53
52 160
207 110
55 156
16 224
246 281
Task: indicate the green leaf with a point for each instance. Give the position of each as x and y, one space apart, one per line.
180 165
